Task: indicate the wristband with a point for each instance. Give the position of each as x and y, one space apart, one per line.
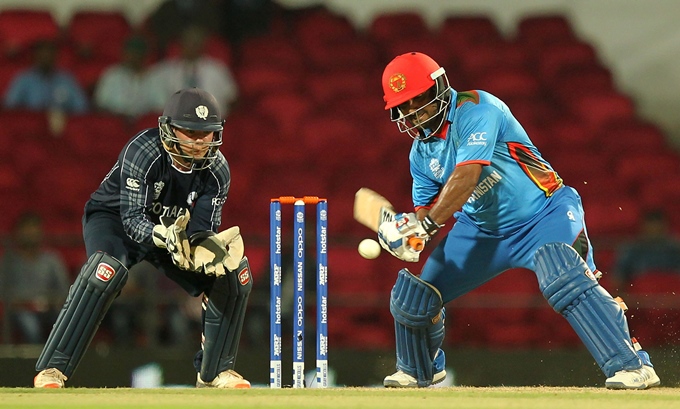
430 226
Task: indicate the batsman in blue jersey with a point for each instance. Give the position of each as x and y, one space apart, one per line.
161 202
471 157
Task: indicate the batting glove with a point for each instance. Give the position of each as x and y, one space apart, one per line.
405 237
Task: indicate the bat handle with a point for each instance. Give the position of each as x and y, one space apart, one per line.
416 243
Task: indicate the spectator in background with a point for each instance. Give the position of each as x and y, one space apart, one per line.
246 18
33 280
122 87
180 13
192 68
44 86
654 249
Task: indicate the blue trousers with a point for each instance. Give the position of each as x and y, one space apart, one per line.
468 256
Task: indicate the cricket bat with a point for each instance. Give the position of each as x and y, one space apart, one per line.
372 209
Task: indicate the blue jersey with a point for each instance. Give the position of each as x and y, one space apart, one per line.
516 181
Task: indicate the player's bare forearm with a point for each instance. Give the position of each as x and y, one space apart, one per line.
455 193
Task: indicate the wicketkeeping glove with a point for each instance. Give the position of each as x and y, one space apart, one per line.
213 253
172 235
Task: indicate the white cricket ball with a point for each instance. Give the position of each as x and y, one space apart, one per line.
369 249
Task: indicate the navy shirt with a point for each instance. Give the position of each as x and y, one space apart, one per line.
144 185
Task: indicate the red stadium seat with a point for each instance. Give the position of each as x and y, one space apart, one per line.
561 58
99 34
662 192
95 139
24 123
341 83
9 70
612 216
469 31
509 83
62 189
500 313
322 28
426 44
87 73
538 111
390 27
254 81
538 30
568 133
481 58
275 52
636 170
633 138
344 53
287 110
573 81
20 29
655 315
598 110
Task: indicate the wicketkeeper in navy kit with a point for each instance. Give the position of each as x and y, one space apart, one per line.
161 202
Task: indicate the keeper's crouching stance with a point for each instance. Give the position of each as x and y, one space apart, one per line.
141 211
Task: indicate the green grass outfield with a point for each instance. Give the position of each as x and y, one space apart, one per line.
453 397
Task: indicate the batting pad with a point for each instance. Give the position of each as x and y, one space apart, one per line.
224 314
572 290
419 325
98 284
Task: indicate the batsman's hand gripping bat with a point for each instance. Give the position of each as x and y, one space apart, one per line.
372 209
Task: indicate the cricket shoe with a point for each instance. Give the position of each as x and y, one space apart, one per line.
643 378
401 379
228 379
49 378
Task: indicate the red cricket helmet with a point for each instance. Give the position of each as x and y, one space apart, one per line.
407 76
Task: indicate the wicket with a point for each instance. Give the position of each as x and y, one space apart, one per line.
299 292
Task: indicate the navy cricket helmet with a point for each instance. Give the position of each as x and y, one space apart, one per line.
191 109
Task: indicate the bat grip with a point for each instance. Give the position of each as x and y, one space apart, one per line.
416 243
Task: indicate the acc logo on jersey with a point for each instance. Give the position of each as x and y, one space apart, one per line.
202 112
104 272
132 184
477 138
244 277
157 189
398 82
